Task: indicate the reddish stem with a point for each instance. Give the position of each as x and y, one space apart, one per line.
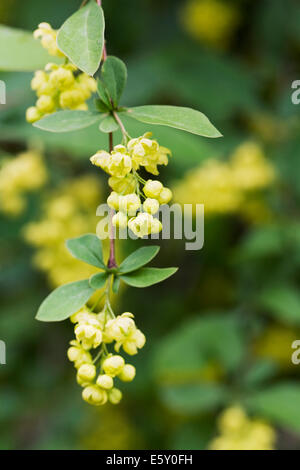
112 259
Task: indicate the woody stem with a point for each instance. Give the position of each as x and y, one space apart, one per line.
112 260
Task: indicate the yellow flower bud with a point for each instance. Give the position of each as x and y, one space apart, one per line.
82 315
156 226
151 206
128 373
88 85
165 196
141 225
81 107
48 39
115 396
120 220
87 372
101 158
94 395
113 365
136 341
78 355
113 200
45 104
124 184
129 204
33 114
61 78
153 188
119 164
105 381
73 353
39 79
71 98
89 333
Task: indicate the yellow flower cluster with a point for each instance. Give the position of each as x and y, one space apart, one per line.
18 176
122 165
58 86
238 432
210 21
227 187
68 212
93 331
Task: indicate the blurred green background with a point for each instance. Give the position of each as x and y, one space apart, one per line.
220 331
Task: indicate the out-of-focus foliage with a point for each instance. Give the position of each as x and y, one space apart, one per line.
220 332
68 212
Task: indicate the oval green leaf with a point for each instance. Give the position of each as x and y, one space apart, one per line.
87 248
81 37
103 94
108 124
114 76
138 258
64 301
279 403
97 281
67 121
186 119
146 277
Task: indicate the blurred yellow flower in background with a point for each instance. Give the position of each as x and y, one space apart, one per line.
6 10
210 21
111 429
238 432
18 176
275 343
229 187
69 211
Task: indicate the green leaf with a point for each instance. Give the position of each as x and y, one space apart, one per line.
279 404
186 119
114 76
138 258
108 124
87 248
19 51
64 301
101 106
283 303
97 281
261 242
103 94
194 398
81 37
199 339
145 277
261 371
67 121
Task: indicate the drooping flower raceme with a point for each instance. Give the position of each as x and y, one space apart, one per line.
135 207
58 86
94 331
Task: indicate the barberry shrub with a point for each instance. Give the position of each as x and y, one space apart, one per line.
62 91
